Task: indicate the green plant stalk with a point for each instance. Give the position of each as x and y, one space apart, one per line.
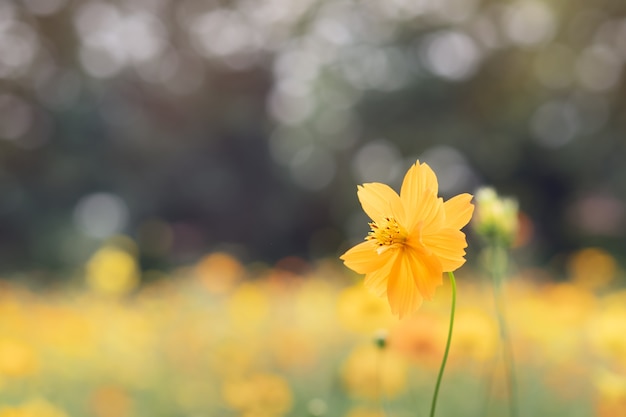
445 354
379 383
499 262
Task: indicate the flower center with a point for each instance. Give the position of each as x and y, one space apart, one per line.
386 233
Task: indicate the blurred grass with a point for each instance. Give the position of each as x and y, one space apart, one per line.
222 339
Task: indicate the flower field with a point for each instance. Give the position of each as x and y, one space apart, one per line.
312 208
220 338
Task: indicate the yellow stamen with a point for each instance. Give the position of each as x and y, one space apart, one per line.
386 233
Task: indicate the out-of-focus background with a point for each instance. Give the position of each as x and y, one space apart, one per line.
178 178
244 126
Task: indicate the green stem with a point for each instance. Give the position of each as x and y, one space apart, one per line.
445 354
499 266
379 388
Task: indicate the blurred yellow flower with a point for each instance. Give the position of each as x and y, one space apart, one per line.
266 395
611 393
364 412
419 338
294 349
561 308
110 401
194 395
361 311
371 373
249 306
592 268
610 385
475 335
415 237
232 358
313 305
64 330
607 333
112 271
17 359
34 408
219 272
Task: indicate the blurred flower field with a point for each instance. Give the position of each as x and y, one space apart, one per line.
220 338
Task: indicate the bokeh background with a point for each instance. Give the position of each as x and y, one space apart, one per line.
245 126
178 178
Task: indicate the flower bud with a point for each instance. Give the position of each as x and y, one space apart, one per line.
496 218
380 339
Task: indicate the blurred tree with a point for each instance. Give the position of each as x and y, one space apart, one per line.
246 126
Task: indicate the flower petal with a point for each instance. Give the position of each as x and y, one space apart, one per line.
449 246
363 258
418 179
426 270
458 211
380 201
427 213
402 293
376 281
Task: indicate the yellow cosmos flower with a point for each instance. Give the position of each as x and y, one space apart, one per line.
415 237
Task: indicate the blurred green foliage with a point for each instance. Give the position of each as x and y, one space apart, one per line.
194 125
